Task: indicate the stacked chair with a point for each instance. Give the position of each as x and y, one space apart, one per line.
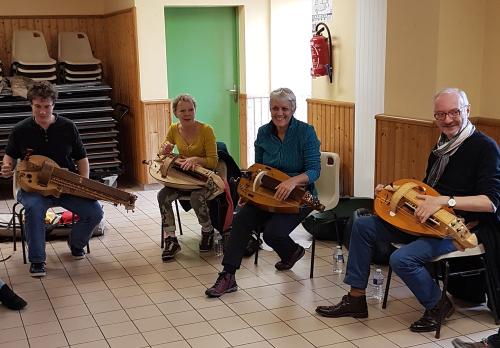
30 56
76 60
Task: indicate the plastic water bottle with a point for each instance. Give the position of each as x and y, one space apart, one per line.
339 260
378 285
218 244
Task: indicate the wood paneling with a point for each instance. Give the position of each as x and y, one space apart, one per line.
157 118
121 71
334 124
243 131
403 145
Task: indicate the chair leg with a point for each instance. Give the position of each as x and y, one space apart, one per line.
387 285
14 226
178 217
256 259
313 251
489 289
445 269
23 236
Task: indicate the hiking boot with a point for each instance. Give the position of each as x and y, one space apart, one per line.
10 300
226 282
37 269
296 256
350 306
433 318
207 241
172 247
77 253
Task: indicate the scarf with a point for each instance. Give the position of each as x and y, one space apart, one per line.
445 149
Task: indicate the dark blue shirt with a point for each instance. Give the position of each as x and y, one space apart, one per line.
298 152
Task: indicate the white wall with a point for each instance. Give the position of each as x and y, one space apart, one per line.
254 44
290 51
61 7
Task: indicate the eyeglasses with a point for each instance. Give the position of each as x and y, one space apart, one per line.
454 113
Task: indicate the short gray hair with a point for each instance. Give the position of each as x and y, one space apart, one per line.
284 93
185 98
462 96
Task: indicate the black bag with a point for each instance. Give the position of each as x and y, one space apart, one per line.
382 251
323 225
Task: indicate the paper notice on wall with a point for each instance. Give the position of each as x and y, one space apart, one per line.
322 11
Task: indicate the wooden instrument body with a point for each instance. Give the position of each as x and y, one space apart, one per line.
40 174
258 187
166 170
396 206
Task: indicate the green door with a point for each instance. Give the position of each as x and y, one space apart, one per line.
202 60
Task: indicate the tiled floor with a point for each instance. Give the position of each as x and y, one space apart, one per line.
123 295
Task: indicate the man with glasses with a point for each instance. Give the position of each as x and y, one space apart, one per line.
464 167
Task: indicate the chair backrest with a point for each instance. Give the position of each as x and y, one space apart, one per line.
74 48
328 183
29 48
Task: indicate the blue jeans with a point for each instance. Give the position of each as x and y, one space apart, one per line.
35 207
408 262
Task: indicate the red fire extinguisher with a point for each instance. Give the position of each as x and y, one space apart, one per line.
321 53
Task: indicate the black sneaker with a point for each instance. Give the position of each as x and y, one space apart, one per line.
172 247
207 241
77 253
37 269
226 282
10 300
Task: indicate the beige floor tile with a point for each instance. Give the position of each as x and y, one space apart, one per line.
135 301
246 307
127 291
104 306
295 341
384 325
306 324
120 283
216 312
12 334
55 341
84 335
465 326
72 311
30 318
94 344
174 306
97 296
208 341
195 330
143 312
118 329
204 302
323 337
165 296
260 318
152 323
406 338
16 344
183 318
242 336
10 319
159 286
276 302
64 301
374 342
43 329
228 324
162 336
289 313
355 331
129 341
274 330
78 323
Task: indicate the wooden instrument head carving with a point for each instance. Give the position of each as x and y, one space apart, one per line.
397 202
257 184
167 171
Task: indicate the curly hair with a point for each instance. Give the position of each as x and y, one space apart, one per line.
185 98
43 90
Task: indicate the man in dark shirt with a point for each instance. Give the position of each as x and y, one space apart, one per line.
464 168
55 137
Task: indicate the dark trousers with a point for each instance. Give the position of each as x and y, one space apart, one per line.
276 233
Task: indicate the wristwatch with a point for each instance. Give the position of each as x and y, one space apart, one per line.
452 202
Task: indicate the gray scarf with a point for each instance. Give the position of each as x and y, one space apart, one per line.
445 149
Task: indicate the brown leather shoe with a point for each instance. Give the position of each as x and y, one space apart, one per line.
350 306
433 318
296 256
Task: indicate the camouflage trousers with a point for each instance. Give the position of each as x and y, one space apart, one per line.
199 203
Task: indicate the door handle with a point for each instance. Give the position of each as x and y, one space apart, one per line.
234 92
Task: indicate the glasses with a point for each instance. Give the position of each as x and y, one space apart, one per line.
454 113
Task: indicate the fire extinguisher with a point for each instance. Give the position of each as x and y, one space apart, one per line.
321 53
